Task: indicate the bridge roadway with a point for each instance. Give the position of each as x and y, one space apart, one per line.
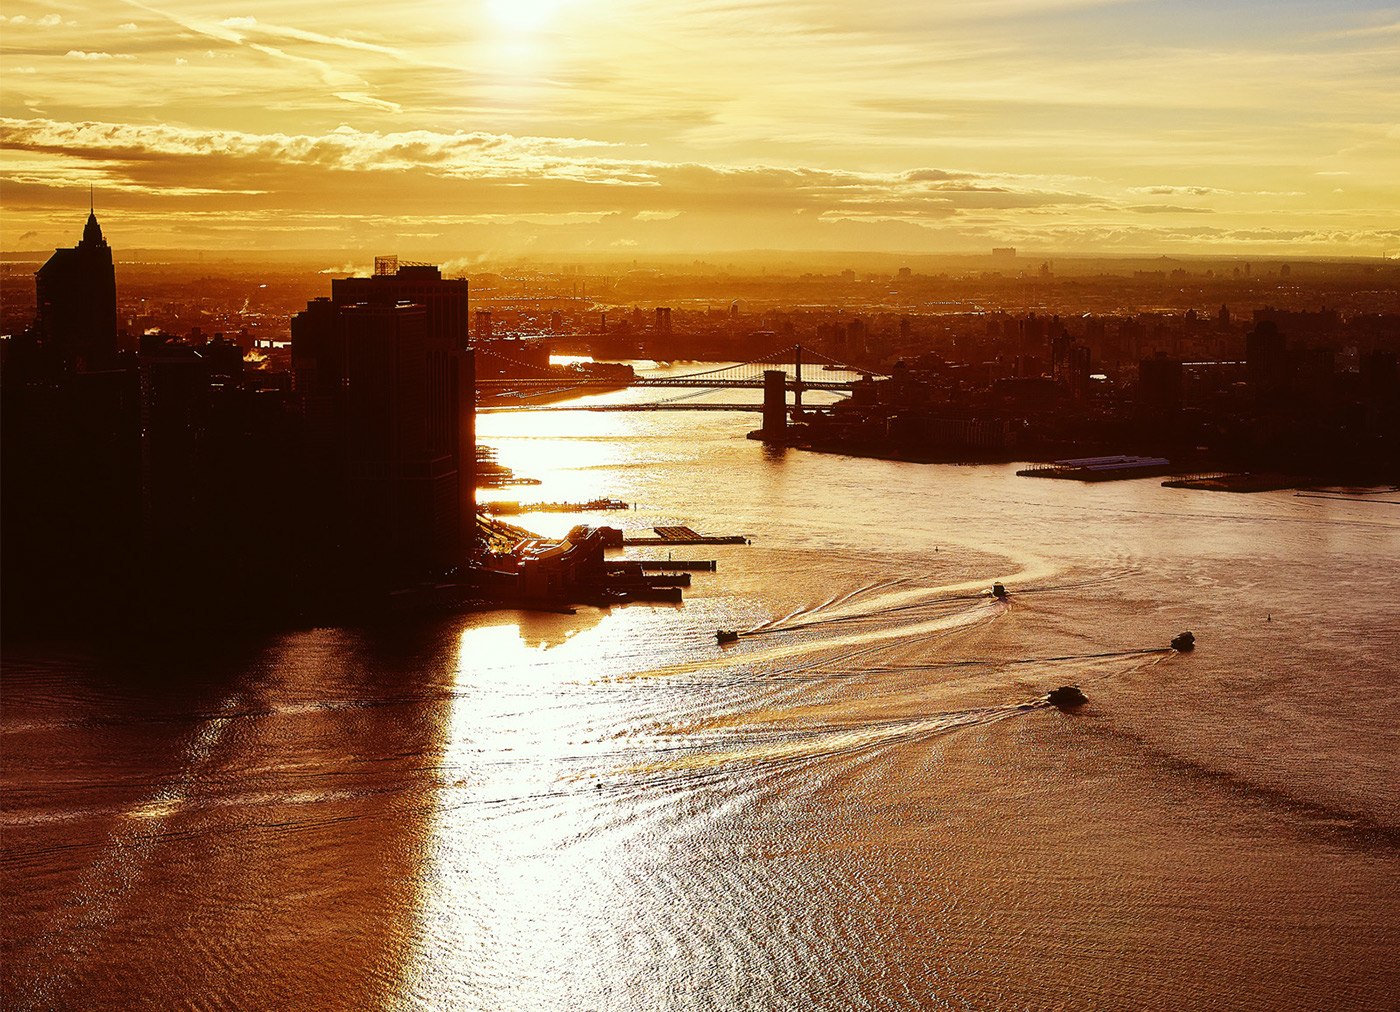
653 406
697 383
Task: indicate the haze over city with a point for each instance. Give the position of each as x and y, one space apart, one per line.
518 126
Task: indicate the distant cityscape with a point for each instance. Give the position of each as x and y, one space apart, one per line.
212 445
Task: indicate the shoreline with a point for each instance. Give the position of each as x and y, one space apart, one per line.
1238 478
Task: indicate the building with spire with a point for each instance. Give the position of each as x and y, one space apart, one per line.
76 295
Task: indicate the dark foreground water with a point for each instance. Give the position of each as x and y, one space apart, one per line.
860 805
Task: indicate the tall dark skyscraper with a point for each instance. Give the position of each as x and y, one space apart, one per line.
387 386
76 313
447 359
445 299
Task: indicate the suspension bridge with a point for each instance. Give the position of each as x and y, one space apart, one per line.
529 382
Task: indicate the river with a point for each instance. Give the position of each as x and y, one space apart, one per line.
864 803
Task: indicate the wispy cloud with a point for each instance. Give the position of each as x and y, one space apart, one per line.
82 54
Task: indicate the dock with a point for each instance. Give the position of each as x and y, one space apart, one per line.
1230 481
684 536
593 505
1119 467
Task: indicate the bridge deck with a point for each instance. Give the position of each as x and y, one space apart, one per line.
699 383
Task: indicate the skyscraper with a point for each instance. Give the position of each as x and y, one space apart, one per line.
387 388
448 360
76 290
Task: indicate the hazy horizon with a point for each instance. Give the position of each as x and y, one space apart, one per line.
361 260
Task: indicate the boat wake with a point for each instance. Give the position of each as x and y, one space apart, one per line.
772 747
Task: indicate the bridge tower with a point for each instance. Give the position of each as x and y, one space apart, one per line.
797 385
774 404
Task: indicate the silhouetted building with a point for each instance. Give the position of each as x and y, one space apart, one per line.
1380 379
76 303
389 403
1265 354
445 299
1079 370
450 376
1300 324
1159 385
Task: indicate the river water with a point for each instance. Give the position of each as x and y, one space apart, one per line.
861 804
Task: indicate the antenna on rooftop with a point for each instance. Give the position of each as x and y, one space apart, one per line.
388 265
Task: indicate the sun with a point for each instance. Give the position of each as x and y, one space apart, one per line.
523 15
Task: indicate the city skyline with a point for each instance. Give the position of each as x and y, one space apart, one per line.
573 126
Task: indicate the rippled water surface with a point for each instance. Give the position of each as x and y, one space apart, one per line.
861 804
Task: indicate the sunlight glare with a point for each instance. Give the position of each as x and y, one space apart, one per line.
523 15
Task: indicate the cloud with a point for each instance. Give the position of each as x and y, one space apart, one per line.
252 26
360 98
1168 209
933 175
263 190
47 21
245 31
81 54
1184 191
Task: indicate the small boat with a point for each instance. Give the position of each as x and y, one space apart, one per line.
726 636
1066 695
1184 641
998 591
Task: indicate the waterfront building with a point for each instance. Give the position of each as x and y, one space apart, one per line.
375 389
443 379
444 299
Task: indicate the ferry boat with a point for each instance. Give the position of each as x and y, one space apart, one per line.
726 636
998 592
1184 641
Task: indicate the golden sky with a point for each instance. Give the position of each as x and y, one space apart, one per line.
510 126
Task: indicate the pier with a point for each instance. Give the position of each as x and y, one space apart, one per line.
593 505
1119 467
684 536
